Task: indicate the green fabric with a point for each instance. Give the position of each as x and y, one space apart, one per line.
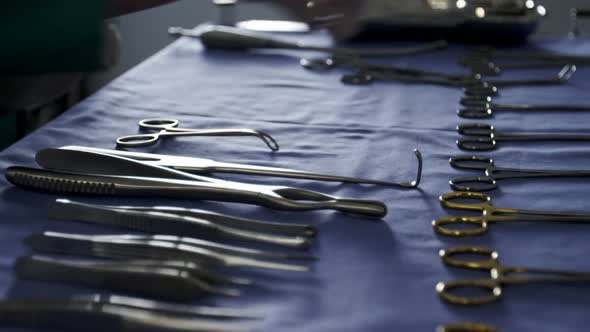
40 36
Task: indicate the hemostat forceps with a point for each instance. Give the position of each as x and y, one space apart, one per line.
484 137
478 225
168 128
208 167
500 275
483 107
492 173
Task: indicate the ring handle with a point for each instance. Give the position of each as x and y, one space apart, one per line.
440 226
478 101
158 123
476 112
445 291
448 201
135 141
477 184
471 162
477 144
467 327
450 257
476 129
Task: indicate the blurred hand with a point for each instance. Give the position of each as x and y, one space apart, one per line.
338 16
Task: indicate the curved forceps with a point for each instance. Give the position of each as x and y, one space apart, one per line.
494 173
482 107
466 327
478 225
484 137
168 128
500 275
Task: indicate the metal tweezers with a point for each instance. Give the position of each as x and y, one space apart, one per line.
174 284
158 248
117 313
182 222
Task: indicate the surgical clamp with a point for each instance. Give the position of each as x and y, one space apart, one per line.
492 173
208 167
484 137
168 128
483 107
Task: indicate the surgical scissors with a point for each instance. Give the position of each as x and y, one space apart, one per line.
168 128
466 327
479 107
478 225
500 275
494 173
484 137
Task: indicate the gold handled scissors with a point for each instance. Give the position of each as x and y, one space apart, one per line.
478 225
500 275
466 327
169 128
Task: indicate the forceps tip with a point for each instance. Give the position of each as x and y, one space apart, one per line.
416 182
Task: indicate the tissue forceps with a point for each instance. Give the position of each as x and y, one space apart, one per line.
99 246
161 222
500 275
208 167
483 107
109 315
466 327
478 225
492 173
168 128
484 137
164 249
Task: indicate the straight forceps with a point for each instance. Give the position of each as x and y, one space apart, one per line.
484 137
500 275
493 173
168 128
478 225
483 107
207 167
157 248
115 313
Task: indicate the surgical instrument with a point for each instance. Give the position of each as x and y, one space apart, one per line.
168 128
167 308
138 248
473 85
492 173
484 137
229 38
303 230
466 327
104 246
133 177
276 197
172 284
483 107
207 167
478 225
159 222
99 316
500 275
